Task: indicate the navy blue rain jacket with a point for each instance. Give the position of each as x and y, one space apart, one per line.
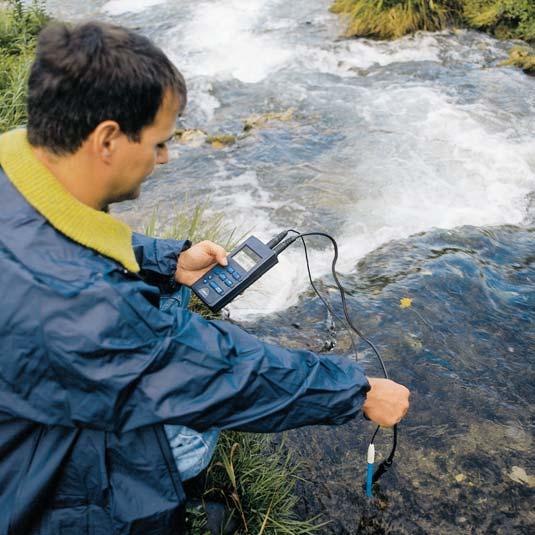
91 369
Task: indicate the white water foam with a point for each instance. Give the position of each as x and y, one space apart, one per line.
225 39
444 169
343 57
120 7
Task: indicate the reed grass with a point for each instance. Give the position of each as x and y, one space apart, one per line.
19 27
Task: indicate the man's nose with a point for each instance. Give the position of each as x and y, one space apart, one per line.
163 156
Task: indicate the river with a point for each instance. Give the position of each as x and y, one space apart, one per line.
419 157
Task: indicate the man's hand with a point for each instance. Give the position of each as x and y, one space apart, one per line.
386 403
194 262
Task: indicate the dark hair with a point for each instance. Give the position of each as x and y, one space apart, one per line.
93 72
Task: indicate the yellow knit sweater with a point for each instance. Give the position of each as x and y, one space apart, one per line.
83 224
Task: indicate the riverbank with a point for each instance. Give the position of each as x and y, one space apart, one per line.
502 19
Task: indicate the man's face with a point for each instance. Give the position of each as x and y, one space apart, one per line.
134 162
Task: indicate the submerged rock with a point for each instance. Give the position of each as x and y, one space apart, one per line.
220 141
260 120
194 137
519 475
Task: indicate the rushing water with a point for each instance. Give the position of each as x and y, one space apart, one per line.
419 157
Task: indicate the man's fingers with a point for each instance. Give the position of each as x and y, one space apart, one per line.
218 253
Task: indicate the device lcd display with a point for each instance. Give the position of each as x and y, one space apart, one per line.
246 258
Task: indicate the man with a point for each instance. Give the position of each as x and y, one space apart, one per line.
90 367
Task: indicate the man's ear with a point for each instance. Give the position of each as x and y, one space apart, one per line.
105 138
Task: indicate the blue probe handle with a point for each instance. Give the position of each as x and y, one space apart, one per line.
369 476
369 480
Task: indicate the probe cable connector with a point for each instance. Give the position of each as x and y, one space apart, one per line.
277 239
283 245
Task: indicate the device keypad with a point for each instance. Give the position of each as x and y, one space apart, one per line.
228 276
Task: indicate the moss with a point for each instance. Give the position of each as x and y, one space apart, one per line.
522 57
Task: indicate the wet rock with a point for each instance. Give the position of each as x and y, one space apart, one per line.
220 141
194 137
260 120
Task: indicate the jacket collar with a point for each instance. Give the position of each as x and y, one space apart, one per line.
81 223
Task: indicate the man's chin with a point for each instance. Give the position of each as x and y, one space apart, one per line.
127 196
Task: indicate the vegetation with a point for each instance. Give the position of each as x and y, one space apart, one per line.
257 481
522 57
390 19
506 19
19 26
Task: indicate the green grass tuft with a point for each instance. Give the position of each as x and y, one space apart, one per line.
257 480
391 19
19 27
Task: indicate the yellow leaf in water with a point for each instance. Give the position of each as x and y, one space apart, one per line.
218 145
405 302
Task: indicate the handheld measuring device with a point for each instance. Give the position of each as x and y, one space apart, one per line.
246 264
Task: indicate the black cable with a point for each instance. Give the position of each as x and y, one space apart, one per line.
329 308
387 463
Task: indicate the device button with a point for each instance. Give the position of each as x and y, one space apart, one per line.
217 288
230 270
205 292
222 276
229 283
236 275
205 281
210 277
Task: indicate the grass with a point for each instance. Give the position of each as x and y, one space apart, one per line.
19 27
391 19
257 480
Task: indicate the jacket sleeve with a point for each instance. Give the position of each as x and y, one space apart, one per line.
120 363
157 259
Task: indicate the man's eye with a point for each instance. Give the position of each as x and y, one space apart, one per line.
161 145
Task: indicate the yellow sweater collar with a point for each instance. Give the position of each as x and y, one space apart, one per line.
83 224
